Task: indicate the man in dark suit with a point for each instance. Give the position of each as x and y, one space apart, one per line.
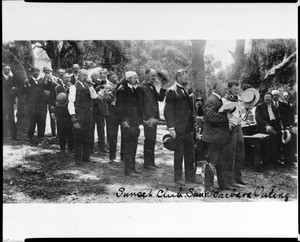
60 113
37 94
268 121
100 112
149 98
74 76
286 112
179 116
130 115
9 93
112 122
216 134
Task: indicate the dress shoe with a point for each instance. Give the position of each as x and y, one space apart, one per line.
131 174
240 181
180 182
103 150
79 163
209 188
149 168
193 181
233 184
156 166
88 161
111 161
226 187
137 171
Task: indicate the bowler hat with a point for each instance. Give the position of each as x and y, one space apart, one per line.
168 142
61 99
249 97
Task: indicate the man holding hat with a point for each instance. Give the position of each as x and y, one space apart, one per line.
179 116
149 98
216 134
236 152
60 113
37 94
268 121
80 109
130 115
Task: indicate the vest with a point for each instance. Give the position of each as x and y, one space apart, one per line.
83 97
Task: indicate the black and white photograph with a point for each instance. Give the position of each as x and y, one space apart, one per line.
107 116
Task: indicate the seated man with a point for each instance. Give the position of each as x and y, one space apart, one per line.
268 121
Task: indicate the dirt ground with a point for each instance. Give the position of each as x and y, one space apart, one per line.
41 174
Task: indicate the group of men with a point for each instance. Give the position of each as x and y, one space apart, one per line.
77 102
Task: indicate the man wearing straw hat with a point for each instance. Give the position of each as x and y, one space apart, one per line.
129 113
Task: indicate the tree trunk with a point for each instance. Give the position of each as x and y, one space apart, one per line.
197 68
239 59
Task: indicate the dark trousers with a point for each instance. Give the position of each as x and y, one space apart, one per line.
112 127
98 119
149 144
217 154
52 122
65 133
236 152
82 136
184 150
130 136
9 117
37 119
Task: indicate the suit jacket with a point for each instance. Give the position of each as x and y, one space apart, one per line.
149 99
36 97
128 106
262 117
73 79
216 125
286 113
179 111
8 95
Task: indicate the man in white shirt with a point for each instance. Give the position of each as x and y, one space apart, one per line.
80 109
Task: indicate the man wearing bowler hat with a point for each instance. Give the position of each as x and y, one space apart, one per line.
178 113
60 113
149 98
130 115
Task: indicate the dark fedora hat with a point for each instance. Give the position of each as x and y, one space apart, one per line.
168 142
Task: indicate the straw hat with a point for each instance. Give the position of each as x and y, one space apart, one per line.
249 97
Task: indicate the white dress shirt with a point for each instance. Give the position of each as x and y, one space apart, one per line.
270 111
72 97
